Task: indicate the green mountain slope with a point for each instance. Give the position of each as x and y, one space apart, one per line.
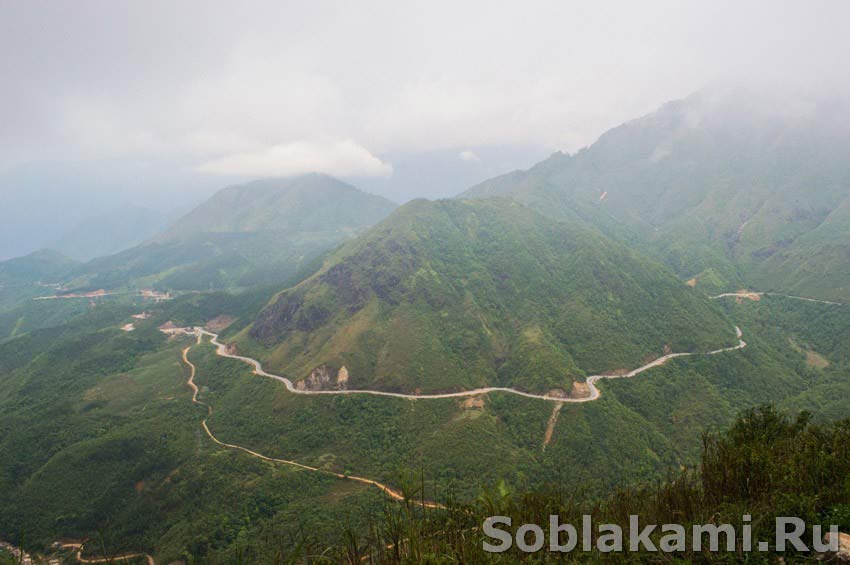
86 399
40 266
245 235
300 204
722 180
452 295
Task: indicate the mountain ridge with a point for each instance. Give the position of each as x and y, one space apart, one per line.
466 294
244 235
711 182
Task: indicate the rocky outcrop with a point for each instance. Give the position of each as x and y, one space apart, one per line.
473 402
580 390
342 377
325 378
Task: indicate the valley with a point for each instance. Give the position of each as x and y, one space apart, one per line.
434 283
224 423
295 354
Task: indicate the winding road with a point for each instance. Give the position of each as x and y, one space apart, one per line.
595 393
391 492
221 350
757 295
115 559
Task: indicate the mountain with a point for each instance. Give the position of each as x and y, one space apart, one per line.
121 228
309 203
245 235
48 203
728 184
44 266
452 295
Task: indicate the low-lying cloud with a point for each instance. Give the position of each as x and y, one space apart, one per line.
238 89
339 157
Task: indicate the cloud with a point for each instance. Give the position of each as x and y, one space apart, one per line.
339 158
276 72
469 156
448 113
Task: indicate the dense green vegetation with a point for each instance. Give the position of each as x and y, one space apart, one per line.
83 399
765 465
715 182
99 437
454 295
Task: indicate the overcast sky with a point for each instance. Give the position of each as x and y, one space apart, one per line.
274 88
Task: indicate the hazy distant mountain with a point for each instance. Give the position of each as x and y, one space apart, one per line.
108 233
725 184
308 203
41 266
454 295
96 207
245 235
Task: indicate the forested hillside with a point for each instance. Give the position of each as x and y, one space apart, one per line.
86 399
453 295
726 186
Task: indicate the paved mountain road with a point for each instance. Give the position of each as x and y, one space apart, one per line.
595 393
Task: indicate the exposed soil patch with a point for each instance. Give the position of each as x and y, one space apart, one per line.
816 360
747 295
324 377
813 359
472 402
219 323
692 283
550 425
342 377
155 295
582 390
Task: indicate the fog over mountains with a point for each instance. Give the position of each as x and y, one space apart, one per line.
331 282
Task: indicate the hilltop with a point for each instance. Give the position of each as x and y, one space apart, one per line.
255 233
452 295
45 266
